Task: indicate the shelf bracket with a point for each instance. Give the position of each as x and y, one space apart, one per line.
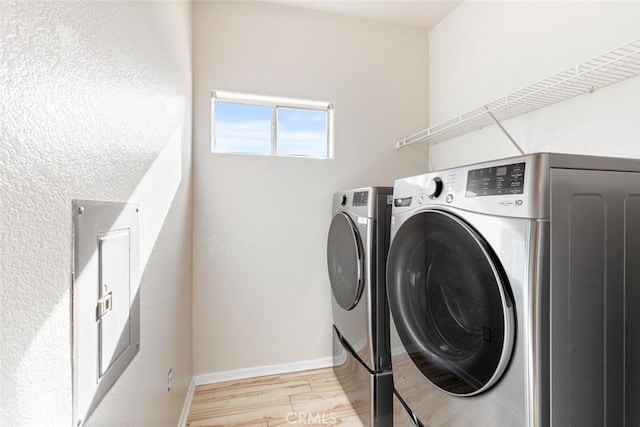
513 141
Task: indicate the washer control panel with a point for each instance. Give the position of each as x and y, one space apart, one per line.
496 180
510 187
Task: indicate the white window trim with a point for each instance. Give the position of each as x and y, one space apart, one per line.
273 102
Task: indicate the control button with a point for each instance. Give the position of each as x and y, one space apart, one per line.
434 187
420 200
449 198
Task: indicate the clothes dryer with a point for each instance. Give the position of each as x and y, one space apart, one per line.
512 286
357 247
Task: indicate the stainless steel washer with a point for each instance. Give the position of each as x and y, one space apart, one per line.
513 288
356 254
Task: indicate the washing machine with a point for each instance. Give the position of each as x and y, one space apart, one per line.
513 287
402 415
357 247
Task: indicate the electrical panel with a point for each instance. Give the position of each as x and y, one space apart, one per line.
106 299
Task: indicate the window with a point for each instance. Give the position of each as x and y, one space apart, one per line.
253 124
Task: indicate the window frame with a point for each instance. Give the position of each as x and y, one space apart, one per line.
274 103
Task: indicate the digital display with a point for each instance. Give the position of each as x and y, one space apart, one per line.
360 198
500 180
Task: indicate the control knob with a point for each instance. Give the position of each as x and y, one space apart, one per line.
434 188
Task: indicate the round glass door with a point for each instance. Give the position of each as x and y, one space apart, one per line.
345 261
450 303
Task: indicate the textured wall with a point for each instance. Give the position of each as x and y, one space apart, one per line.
485 50
261 288
95 103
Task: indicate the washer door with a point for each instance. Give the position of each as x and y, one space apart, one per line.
345 261
450 303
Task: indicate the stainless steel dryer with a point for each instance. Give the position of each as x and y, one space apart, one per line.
356 254
513 287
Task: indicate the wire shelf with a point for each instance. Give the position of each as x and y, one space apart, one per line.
614 66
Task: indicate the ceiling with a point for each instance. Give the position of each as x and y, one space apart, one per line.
419 14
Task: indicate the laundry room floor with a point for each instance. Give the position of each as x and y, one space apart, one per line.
307 398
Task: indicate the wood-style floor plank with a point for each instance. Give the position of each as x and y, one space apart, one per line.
259 389
352 421
308 398
227 412
225 424
325 403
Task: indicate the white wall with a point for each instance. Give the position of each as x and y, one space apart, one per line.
261 291
485 50
95 103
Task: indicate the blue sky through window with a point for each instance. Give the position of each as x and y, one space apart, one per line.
247 128
241 128
302 132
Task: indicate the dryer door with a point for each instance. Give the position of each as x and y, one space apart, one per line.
450 302
345 261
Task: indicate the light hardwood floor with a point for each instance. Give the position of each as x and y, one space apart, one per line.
308 398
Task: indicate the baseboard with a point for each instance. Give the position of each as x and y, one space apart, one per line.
187 404
261 371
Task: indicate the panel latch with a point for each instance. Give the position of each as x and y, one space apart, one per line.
105 304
